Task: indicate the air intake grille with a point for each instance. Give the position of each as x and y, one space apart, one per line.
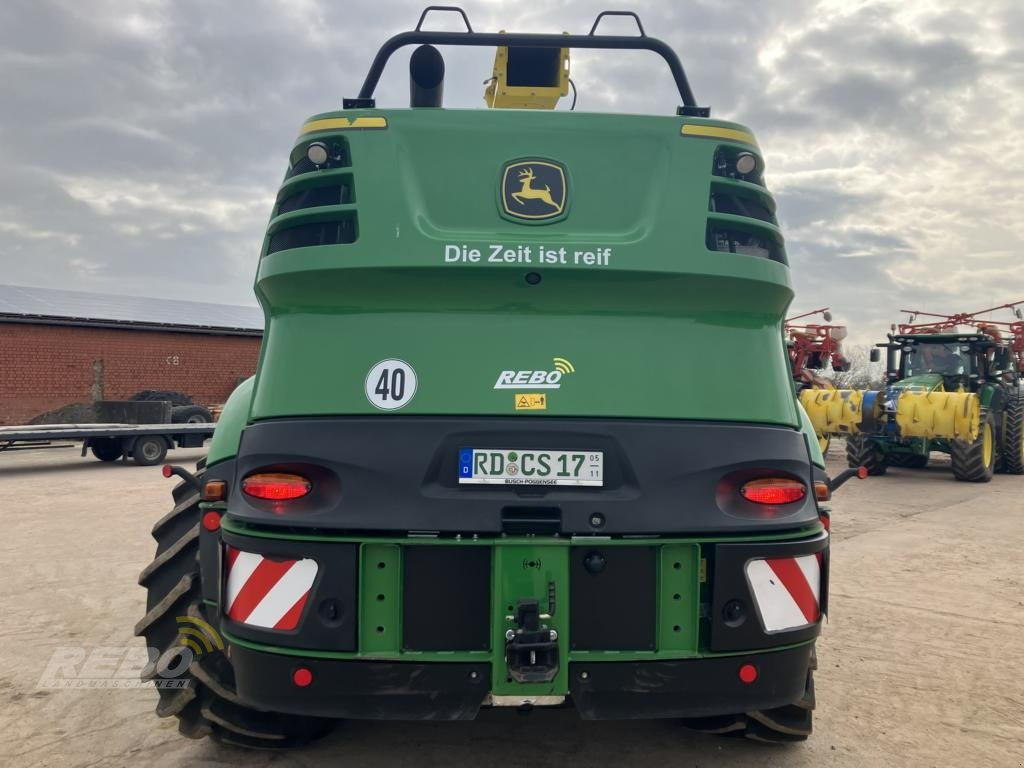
740 206
319 233
737 241
336 194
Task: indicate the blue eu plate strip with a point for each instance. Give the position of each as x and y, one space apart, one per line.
466 462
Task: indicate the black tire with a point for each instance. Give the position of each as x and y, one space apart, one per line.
107 448
149 450
862 452
207 704
174 398
782 725
1012 454
975 462
191 414
907 460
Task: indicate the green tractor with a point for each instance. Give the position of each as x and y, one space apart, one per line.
496 453
948 389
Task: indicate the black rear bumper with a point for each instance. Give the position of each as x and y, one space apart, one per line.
401 474
688 688
385 690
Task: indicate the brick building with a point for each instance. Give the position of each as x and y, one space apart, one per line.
63 347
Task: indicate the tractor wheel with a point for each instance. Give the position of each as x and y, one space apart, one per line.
862 452
1013 438
149 450
198 686
975 462
782 725
191 414
106 448
907 460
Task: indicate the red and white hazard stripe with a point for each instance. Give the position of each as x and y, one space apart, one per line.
266 593
787 591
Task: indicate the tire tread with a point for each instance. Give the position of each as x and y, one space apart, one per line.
208 705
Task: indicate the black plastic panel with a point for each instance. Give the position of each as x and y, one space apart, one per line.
614 608
740 206
401 474
690 688
319 233
334 588
736 241
730 583
337 157
361 690
446 598
332 194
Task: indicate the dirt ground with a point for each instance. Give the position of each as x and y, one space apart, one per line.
921 664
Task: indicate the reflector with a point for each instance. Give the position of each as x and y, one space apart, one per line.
215 490
748 673
302 677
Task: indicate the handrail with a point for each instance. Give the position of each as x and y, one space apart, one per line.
602 14
452 8
497 39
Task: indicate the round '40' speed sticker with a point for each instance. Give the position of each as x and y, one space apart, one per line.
390 384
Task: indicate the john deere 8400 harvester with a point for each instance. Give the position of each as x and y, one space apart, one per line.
497 451
953 385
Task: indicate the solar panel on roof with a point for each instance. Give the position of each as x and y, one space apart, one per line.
24 301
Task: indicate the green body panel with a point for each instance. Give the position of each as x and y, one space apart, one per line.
985 393
920 382
811 439
679 598
379 609
232 421
650 322
666 329
521 571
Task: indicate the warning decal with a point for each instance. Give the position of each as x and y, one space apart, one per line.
786 590
531 402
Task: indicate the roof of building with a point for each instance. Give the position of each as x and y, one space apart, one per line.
49 305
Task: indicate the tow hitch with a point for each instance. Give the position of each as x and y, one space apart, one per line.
532 650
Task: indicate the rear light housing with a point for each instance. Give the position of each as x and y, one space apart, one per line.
276 486
822 491
215 490
826 520
773 491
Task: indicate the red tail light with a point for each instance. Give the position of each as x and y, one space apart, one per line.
773 490
276 486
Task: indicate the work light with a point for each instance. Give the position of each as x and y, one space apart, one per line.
316 153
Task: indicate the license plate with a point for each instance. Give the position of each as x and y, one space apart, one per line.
504 466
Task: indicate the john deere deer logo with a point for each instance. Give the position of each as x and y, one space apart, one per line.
533 190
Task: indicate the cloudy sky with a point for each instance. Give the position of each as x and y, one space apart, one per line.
142 141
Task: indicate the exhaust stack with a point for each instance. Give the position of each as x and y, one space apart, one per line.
426 77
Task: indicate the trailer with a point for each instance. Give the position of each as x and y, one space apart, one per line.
146 444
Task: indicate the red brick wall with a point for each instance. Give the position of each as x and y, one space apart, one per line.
43 367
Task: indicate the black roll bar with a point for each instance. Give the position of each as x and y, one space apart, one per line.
419 36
